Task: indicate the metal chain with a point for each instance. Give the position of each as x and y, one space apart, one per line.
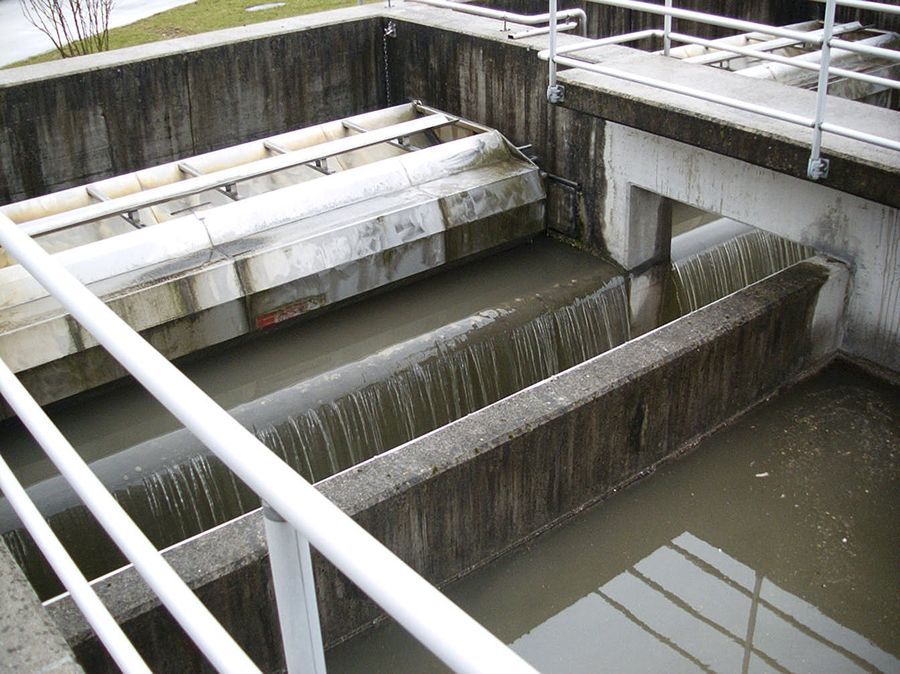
389 31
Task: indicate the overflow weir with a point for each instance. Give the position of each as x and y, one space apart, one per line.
489 315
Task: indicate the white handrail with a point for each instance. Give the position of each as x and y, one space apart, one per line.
817 167
110 634
507 17
213 641
453 636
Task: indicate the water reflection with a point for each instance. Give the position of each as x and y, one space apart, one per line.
691 607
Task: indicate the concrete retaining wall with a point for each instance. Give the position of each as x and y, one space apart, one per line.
456 498
65 124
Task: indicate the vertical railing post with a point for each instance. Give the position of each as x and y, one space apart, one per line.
667 29
818 166
295 595
555 92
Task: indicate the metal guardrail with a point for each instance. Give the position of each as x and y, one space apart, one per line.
297 514
817 167
511 17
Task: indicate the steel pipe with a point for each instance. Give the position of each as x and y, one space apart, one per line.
211 638
766 46
510 17
868 5
533 32
108 631
803 62
713 20
687 91
453 636
818 167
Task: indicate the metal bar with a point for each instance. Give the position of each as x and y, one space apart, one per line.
687 91
730 102
602 42
229 190
454 637
295 595
847 132
713 20
766 46
818 167
554 91
667 30
214 642
868 50
406 147
131 217
869 5
108 631
235 174
511 17
793 61
275 147
532 32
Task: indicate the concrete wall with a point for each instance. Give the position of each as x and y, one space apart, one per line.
65 124
29 640
456 498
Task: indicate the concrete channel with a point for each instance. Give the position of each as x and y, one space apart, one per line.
462 495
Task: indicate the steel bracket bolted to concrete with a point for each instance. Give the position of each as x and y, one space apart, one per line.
556 93
818 168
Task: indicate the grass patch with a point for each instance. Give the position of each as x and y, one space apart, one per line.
201 16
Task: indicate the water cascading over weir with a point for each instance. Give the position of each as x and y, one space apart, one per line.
206 249
465 318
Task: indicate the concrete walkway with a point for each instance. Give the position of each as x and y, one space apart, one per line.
19 39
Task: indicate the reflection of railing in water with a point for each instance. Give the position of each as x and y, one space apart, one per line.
691 605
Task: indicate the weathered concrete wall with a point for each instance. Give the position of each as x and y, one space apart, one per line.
456 498
726 161
29 639
65 124
864 234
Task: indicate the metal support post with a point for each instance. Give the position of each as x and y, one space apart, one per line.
667 30
818 166
555 92
295 595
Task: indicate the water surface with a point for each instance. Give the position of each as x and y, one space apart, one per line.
772 547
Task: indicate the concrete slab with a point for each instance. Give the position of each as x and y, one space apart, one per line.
30 643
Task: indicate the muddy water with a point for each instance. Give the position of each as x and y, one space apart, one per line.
326 394
771 547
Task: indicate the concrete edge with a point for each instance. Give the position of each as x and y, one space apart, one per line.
184 45
30 642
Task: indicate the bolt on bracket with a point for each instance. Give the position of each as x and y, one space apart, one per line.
556 93
818 168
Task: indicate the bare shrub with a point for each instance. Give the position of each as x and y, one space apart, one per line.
76 27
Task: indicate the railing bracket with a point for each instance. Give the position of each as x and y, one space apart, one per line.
556 93
818 168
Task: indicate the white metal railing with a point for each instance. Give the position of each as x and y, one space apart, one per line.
578 15
298 515
817 167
